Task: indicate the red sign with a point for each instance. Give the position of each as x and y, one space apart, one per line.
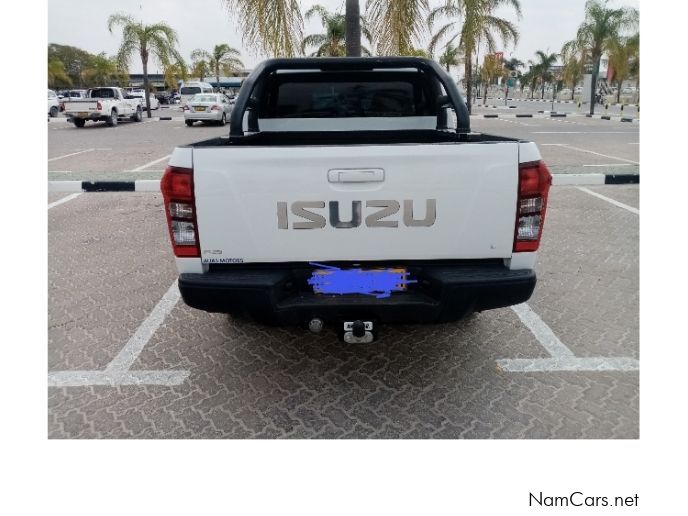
499 55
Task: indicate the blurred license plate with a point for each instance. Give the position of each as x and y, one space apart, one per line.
377 282
82 114
199 108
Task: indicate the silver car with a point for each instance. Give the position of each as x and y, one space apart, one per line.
207 107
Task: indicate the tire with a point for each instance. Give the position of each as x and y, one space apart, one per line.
79 122
138 116
54 111
189 123
224 119
112 119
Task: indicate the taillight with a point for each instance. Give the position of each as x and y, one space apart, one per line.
177 190
99 106
534 180
215 107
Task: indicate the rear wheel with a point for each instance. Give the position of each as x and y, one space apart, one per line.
112 119
138 116
224 119
79 122
54 111
188 122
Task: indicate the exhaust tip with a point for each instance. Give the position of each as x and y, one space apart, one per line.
316 325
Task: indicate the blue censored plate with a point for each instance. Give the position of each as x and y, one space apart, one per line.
374 282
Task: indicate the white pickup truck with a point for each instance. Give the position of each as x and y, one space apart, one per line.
348 194
104 104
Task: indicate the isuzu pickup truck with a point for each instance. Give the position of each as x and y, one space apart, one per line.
352 192
104 104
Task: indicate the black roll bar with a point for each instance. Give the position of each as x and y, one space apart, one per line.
463 124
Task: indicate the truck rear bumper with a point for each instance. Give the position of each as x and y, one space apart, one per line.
444 292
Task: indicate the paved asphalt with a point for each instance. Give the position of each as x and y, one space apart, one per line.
111 270
110 264
131 151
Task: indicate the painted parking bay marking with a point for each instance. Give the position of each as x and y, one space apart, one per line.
150 164
68 155
610 200
561 357
64 200
118 370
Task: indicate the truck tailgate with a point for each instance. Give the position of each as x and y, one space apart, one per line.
248 201
81 106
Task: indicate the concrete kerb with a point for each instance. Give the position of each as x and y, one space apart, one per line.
153 185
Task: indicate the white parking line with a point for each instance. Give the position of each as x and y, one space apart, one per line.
64 200
542 332
117 372
610 165
584 132
68 155
128 355
139 169
611 201
603 155
561 357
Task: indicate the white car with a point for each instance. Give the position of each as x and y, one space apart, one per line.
53 104
207 107
141 94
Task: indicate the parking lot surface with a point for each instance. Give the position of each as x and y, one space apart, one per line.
134 151
128 359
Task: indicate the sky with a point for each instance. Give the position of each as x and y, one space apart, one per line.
545 25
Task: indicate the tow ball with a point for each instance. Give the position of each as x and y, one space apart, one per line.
358 332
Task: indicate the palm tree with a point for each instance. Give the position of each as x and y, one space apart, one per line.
634 68
102 70
512 65
173 73
222 57
573 60
450 57
479 22
332 42
601 27
396 24
158 41
543 67
622 53
272 27
57 73
200 69
352 32
492 69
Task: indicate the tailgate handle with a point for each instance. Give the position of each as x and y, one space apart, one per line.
355 175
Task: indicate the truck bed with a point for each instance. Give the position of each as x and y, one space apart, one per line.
313 138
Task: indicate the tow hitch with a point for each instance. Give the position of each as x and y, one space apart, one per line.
358 332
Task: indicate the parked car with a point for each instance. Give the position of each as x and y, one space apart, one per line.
189 89
207 107
71 94
104 104
344 196
53 104
164 97
141 94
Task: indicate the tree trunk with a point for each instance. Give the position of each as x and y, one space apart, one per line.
542 94
593 85
467 77
353 28
146 86
618 92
